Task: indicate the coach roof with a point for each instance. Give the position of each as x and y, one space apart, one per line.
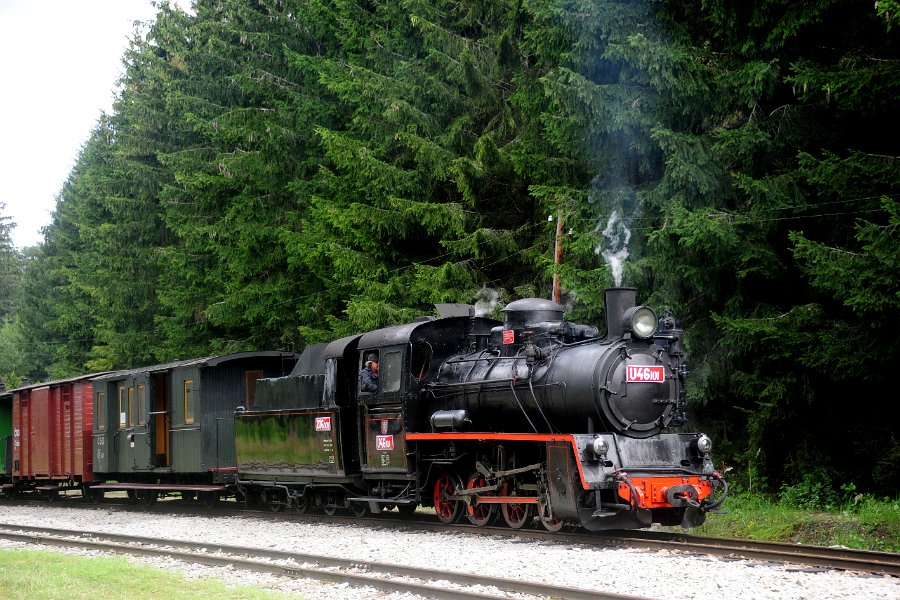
209 361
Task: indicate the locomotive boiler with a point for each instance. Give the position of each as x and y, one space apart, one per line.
542 374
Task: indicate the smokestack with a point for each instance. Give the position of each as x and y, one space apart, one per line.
618 300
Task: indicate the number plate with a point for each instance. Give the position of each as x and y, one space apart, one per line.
645 374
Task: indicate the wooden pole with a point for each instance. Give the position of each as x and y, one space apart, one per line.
559 253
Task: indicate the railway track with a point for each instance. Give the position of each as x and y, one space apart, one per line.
881 563
867 561
427 583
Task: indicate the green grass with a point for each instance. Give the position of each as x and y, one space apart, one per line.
866 523
39 575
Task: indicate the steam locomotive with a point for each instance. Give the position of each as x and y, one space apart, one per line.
534 419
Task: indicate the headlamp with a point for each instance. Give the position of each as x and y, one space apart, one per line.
704 444
641 321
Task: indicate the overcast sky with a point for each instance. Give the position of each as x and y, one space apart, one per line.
59 62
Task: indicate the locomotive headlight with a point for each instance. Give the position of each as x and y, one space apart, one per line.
704 444
601 446
641 321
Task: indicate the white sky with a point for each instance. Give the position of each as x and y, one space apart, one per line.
59 63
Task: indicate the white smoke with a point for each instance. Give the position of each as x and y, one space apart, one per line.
615 251
487 302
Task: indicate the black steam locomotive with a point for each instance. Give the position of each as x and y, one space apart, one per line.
531 419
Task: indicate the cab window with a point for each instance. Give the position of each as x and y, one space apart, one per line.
390 370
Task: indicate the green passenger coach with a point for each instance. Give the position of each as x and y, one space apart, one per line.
170 428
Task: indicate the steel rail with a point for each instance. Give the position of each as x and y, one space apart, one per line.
868 561
196 552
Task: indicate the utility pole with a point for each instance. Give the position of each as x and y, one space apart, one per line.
558 259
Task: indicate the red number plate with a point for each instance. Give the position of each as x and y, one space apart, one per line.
323 423
509 336
645 374
384 442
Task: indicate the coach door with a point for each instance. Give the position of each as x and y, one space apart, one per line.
159 420
140 394
105 423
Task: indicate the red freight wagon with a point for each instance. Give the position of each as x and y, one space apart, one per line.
52 425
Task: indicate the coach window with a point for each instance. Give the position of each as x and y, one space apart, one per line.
100 411
122 408
131 407
389 371
141 403
188 401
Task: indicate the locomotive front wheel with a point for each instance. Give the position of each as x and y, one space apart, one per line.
448 511
515 515
479 514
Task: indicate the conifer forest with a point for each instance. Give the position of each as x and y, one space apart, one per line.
276 173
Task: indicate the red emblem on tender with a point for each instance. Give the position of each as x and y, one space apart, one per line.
509 336
323 423
645 374
384 442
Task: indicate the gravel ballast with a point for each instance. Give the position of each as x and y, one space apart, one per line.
654 574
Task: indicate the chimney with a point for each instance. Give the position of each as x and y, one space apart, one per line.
618 300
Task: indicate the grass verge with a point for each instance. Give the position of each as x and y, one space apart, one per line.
866 524
40 575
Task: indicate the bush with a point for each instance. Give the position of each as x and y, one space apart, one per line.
814 492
